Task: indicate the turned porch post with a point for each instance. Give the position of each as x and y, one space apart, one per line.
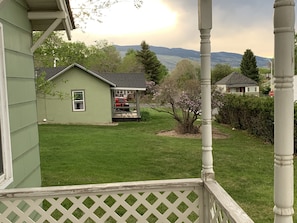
284 20
205 25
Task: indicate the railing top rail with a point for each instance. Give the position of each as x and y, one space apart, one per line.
230 207
100 188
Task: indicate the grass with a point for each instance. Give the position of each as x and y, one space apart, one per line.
132 151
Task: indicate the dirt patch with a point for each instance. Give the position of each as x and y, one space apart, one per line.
216 134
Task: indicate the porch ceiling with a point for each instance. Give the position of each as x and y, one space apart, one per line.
43 13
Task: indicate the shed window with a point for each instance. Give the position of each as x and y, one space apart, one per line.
78 100
5 144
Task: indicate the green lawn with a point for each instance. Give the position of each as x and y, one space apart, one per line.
132 151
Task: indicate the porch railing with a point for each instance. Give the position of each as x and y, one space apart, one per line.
184 200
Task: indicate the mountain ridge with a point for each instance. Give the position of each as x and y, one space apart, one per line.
171 56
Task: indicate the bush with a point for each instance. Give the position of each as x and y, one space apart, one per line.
145 116
249 113
253 114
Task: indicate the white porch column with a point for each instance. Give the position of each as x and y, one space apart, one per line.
284 20
205 25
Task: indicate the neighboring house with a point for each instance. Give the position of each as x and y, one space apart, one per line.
87 97
19 147
236 83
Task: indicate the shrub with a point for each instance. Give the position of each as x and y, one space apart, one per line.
145 116
249 113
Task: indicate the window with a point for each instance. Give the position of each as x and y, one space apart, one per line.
5 144
78 100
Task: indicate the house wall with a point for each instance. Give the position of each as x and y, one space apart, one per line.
97 100
249 90
21 94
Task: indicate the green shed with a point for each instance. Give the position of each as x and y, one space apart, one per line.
81 96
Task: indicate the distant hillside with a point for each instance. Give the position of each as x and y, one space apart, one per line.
171 56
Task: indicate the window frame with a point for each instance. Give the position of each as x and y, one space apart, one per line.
74 101
7 177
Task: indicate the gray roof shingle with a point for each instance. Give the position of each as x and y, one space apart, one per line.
128 81
236 80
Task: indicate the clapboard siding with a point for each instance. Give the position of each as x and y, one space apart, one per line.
30 133
15 13
21 93
97 100
21 120
16 94
25 167
22 60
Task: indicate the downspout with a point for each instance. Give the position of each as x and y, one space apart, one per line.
284 19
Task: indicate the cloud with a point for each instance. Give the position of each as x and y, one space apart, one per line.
237 25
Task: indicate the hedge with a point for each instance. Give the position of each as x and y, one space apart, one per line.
254 114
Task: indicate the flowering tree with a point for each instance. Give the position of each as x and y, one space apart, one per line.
184 103
180 96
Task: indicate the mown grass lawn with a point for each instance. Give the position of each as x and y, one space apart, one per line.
131 151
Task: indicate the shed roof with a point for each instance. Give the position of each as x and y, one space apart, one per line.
126 81
236 80
119 81
53 72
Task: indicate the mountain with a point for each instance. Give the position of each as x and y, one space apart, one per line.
171 56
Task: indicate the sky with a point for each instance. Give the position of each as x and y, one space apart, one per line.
237 25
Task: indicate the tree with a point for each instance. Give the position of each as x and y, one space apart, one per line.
56 51
45 54
248 65
220 71
72 52
185 103
103 57
130 63
181 91
153 69
185 70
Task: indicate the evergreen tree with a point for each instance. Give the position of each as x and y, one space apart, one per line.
248 65
153 68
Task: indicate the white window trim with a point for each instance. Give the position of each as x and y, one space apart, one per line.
7 176
73 101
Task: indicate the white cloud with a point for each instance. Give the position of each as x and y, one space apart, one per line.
237 25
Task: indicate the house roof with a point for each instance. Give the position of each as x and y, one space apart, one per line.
119 81
54 72
49 16
126 81
236 80
43 13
